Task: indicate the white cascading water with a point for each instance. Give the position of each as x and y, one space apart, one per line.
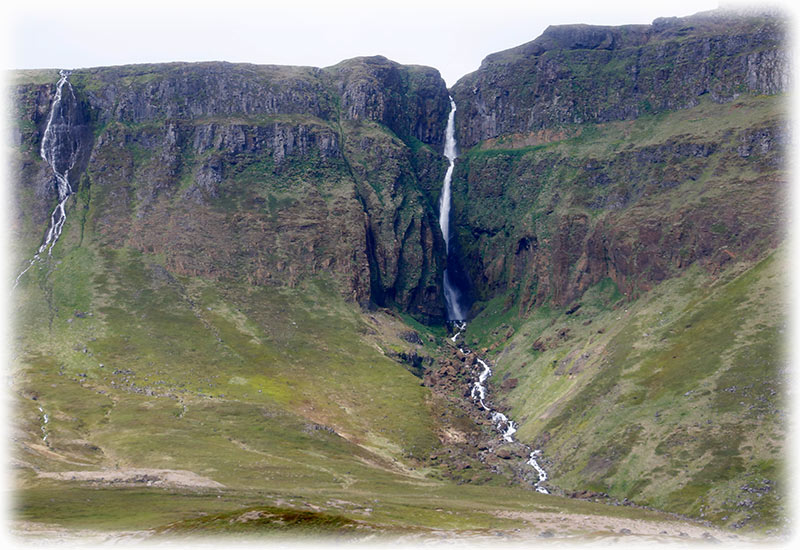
460 327
45 420
503 424
57 127
452 296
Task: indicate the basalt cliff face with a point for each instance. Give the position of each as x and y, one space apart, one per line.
574 74
271 174
626 153
262 173
617 211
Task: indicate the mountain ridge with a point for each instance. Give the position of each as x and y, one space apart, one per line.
252 265
642 69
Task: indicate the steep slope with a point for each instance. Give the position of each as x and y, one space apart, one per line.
249 251
620 209
265 174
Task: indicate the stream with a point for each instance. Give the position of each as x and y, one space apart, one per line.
502 423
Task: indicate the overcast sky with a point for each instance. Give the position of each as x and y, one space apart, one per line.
452 36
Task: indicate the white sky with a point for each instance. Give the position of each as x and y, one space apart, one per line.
452 36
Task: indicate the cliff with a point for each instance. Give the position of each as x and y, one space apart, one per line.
574 74
260 173
627 153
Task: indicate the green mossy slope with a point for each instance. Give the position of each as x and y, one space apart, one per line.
674 400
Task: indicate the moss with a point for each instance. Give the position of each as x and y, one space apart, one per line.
264 520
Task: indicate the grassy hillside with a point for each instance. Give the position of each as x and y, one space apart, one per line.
675 400
276 410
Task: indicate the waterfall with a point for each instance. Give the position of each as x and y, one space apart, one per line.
455 310
452 294
59 150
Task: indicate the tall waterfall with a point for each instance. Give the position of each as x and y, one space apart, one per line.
59 150
455 308
452 294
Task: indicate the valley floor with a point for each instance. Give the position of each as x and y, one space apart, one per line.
153 406
557 520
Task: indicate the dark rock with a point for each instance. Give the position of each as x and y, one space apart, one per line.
412 337
311 427
494 101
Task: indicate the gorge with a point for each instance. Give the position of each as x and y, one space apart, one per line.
283 294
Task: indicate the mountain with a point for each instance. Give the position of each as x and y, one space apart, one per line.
242 316
261 173
620 204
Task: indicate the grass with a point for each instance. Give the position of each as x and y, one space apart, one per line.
284 392
388 510
669 400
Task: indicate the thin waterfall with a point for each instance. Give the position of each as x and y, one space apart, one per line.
452 294
455 310
59 151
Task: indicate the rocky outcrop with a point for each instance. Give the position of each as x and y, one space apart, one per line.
410 100
146 93
575 74
551 222
263 173
557 194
